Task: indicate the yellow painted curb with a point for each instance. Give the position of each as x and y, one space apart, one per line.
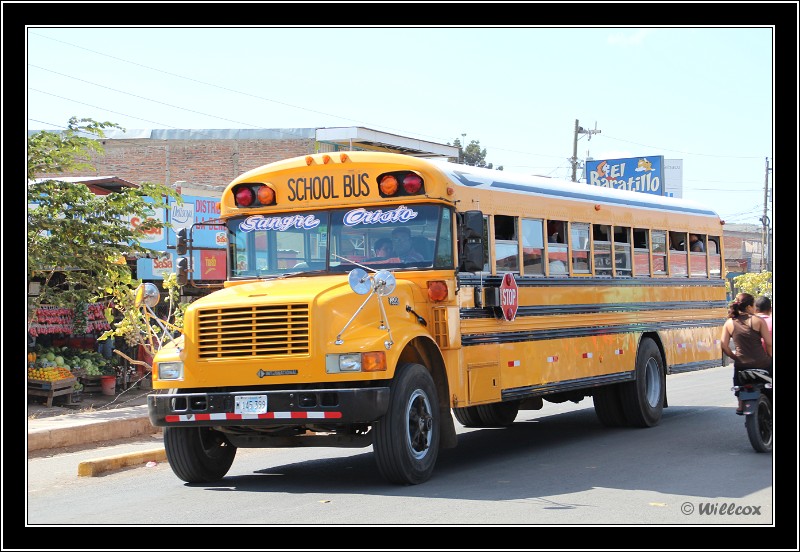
92 468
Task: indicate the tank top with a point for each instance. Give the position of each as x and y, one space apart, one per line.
748 345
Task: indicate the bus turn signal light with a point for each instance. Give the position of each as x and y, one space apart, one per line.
437 290
388 185
266 195
373 362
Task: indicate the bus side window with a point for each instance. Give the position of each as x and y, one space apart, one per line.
697 259
602 249
641 252
556 247
659 239
444 242
579 232
622 250
714 257
506 245
486 250
532 246
678 265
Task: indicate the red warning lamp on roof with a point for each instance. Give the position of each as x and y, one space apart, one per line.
254 195
389 184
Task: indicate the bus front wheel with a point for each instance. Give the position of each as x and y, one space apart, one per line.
643 398
406 441
198 454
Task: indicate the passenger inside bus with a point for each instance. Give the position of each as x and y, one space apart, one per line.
401 242
697 245
382 249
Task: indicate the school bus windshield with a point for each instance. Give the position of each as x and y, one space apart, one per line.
415 237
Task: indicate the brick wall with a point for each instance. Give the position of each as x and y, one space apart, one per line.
207 163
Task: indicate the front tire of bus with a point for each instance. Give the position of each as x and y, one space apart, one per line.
198 454
643 399
406 441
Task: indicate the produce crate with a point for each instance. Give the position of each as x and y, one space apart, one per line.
91 384
50 389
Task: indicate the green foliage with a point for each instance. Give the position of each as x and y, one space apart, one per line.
77 241
754 283
473 155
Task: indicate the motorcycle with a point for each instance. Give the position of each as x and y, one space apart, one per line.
755 392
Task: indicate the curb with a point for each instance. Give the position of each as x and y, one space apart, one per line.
92 432
92 468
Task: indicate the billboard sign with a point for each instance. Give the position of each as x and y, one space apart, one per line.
639 174
207 264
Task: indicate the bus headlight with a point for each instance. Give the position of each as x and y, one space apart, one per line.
170 370
373 361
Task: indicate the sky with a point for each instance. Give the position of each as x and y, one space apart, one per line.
703 95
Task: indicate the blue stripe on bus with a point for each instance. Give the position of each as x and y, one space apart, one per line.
477 280
531 188
565 333
544 310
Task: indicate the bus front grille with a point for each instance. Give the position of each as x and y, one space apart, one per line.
263 330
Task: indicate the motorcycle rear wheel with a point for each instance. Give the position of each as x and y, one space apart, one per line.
759 425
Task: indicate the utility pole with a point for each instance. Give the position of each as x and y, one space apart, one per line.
574 159
765 220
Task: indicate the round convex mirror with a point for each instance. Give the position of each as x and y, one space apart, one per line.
385 282
359 281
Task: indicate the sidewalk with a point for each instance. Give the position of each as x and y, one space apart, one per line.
96 418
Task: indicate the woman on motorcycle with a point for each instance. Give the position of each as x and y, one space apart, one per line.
747 331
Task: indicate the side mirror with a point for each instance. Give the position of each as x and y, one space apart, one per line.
470 241
183 241
183 271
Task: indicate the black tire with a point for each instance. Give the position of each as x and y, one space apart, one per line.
198 454
467 416
608 406
759 425
406 440
500 414
643 399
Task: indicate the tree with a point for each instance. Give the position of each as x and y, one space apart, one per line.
754 283
77 241
473 155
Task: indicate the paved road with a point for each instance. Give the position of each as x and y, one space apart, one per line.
557 466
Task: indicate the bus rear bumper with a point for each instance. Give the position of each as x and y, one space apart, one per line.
285 407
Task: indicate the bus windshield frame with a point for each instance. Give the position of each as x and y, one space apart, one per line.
338 240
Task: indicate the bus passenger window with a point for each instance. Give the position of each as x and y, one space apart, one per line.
714 257
532 247
641 252
602 249
678 265
506 244
622 250
579 233
659 238
556 247
697 257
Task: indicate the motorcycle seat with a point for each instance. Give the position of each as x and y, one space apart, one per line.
755 374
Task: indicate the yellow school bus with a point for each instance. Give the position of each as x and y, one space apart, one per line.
499 293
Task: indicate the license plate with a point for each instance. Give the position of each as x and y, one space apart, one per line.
250 404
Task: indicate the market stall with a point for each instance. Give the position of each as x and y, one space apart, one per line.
65 357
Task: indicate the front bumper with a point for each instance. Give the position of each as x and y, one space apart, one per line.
284 407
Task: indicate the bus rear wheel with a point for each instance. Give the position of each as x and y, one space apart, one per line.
198 454
500 414
467 416
406 440
643 399
608 406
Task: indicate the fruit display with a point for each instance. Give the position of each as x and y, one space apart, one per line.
49 374
91 363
